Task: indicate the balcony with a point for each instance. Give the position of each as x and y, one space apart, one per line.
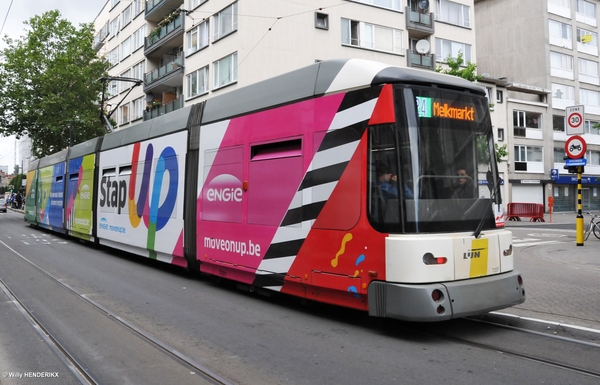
156 9
417 60
166 77
419 24
153 112
166 36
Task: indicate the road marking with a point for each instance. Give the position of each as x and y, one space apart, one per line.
524 244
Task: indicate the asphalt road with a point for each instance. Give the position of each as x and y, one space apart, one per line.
243 337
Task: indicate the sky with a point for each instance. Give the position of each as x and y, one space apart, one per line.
12 15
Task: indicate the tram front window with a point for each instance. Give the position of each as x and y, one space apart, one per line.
433 170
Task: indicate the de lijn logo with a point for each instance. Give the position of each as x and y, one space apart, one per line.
147 206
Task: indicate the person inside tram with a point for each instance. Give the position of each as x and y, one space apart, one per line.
388 183
384 181
463 188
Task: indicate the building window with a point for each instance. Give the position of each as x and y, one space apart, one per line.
197 38
126 48
590 127
114 27
196 3
558 123
113 57
499 96
371 36
587 37
126 16
124 114
586 8
588 71
523 120
501 134
138 108
445 48
225 71
124 86
138 38
138 7
559 154
561 3
321 20
137 71
453 13
593 158
113 88
589 97
197 82
225 22
560 34
391 4
528 154
563 92
561 61
114 2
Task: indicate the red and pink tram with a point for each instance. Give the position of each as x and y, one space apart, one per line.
349 182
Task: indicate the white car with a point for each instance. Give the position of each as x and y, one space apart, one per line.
2 204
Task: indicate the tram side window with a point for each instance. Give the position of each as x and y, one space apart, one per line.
385 181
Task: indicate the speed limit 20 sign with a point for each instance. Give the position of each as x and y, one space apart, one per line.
575 119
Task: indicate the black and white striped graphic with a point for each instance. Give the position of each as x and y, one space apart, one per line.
324 172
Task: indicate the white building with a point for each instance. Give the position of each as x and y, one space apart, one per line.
545 47
187 51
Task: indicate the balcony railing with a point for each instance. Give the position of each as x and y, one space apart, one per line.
419 20
154 112
416 59
163 71
160 33
150 4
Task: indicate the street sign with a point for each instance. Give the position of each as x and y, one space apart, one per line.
575 147
553 173
575 162
575 119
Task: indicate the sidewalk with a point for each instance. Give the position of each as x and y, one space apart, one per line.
561 278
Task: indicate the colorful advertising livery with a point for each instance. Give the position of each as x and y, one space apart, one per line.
336 182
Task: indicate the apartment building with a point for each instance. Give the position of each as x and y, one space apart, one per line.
183 52
548 50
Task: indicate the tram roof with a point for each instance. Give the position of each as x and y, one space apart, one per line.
323 78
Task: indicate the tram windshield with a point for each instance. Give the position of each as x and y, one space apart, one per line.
434 169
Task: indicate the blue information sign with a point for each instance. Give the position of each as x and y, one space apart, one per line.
575 162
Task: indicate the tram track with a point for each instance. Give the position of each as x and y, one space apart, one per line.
75 365
465 332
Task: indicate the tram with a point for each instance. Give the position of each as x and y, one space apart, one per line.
336 182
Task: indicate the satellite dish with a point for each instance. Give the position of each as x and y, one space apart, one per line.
422 47
423 5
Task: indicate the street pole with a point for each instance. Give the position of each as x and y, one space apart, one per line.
579 222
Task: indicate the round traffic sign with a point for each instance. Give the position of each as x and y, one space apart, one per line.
575 147
574 120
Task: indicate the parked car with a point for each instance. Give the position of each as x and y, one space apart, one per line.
2 204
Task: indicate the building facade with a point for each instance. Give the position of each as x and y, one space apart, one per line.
549 51
183 52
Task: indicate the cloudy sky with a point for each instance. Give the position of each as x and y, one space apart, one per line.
12 15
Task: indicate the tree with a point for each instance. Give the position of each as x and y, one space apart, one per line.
456 68
49 84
